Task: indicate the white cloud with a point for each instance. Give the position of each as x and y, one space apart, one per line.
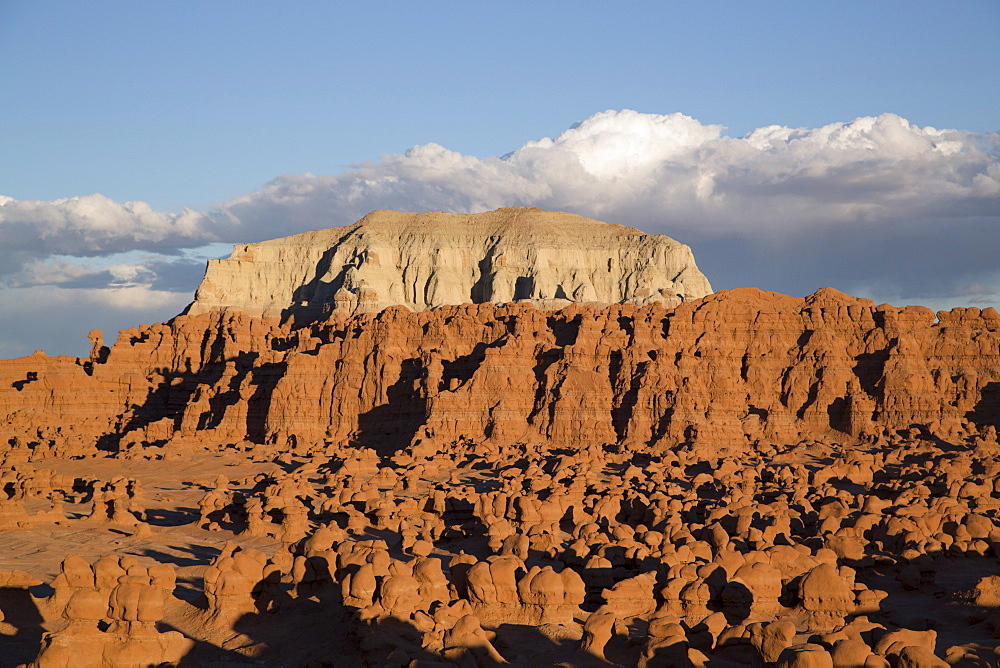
875 204
49 272
95 225
670 172
614 146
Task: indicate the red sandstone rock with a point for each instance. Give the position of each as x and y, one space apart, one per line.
619 374
634 484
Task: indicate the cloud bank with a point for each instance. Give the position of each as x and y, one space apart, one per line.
875 206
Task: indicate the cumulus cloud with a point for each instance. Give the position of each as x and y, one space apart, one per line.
95 224
875 205
659 171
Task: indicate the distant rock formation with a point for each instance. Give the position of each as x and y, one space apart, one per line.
425 260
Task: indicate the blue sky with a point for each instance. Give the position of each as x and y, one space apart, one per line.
203 105
190 104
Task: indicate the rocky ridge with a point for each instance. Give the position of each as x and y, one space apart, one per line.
726 371
425 260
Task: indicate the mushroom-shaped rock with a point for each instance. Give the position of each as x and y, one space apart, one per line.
467 637
597 632
849 652
826 596
433 583
400 595
136 599
805 656
87 604
360 586
632 597
915 656
770 640
893 643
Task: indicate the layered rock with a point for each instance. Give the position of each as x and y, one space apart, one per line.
424 260
628 485
726 371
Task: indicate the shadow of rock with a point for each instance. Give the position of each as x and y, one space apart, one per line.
19 614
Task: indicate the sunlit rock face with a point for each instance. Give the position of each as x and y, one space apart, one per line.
425 260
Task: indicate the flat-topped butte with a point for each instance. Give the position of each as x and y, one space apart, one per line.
425 260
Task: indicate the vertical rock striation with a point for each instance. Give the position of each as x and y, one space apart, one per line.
425 260
726 371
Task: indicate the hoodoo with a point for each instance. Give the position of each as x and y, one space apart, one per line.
425 260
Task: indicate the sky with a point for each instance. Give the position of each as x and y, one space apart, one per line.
792 145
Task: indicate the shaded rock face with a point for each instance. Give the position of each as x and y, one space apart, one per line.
424 260
731 370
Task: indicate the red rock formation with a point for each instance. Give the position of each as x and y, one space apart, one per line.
737 367
748 477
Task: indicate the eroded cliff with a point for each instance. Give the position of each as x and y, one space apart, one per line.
424 260
729 370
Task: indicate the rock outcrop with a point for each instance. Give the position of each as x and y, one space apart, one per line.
728 371
424 260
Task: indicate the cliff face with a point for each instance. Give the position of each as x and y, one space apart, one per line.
424 260
728 370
